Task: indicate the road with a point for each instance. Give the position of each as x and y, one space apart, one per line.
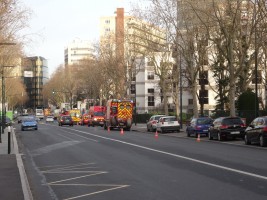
92 163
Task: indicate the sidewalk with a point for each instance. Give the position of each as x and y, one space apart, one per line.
13 181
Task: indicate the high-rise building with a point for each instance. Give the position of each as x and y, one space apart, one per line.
78 50
34 71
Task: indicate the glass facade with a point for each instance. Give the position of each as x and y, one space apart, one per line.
35 82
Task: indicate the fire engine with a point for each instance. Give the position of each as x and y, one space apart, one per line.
119 114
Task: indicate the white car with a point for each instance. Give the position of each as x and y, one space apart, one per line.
168 123
49 119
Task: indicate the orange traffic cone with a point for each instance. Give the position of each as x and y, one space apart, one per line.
122 131
198 138
156 134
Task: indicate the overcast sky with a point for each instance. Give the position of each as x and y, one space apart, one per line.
55 23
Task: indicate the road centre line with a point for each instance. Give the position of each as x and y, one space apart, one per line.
179 156
98 192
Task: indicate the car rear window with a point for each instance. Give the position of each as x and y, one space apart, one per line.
204 121
232 121
170 119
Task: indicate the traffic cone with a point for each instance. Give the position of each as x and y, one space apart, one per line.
156 134
198 138
108 129
122 131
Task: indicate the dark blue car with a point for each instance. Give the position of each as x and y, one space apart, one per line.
199 126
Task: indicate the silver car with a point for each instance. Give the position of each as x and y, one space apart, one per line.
168 123
152 122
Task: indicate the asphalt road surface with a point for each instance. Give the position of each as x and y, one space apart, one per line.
83 162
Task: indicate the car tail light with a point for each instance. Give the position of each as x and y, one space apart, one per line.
265 129
243 125
154 122
223 126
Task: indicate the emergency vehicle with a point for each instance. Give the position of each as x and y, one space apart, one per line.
119 114
96 116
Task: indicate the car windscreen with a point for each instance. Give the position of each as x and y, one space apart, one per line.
66 118
157 117
99 114
232 121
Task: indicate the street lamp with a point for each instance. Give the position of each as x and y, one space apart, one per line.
3 94
256 61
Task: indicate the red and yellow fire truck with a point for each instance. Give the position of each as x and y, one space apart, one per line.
119 114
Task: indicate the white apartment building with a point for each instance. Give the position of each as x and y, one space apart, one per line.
77 50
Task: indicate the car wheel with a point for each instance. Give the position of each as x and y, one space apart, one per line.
210 137
187 133
263 142
196 135
22 129
178 130
247 141
161 130
219 136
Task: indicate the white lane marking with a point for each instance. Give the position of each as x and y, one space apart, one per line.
101 191
80 136
179 156
78 177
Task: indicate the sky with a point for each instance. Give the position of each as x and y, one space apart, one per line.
55 23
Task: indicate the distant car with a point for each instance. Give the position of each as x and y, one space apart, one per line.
49 119
29 123
168 123
65 120
227 127
256 132
198 126
152 122
21 117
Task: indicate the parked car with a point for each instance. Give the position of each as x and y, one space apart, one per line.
8 121
49 119
152 122
198 126
227 127
256 132
168 123
65 120
29 123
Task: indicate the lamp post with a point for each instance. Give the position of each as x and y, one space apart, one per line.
3 94
256 61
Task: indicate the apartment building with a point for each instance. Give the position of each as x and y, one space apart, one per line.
77 50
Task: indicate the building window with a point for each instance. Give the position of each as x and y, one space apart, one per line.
133 88
151 101
203 96
190 101
150 75
107 21
150 90
203 78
